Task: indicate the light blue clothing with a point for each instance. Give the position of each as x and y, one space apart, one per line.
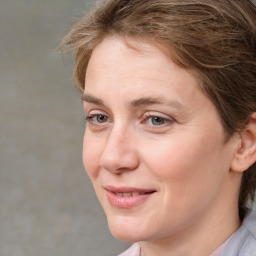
241 243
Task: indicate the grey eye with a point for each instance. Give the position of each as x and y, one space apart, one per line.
156 120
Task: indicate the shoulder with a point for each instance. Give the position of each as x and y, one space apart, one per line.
134 250
243 241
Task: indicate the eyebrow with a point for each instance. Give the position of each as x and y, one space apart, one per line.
157 101
92 99
144 101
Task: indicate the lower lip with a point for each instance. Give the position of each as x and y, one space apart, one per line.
127 202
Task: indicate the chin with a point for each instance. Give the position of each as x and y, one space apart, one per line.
130 236
127 230
122 229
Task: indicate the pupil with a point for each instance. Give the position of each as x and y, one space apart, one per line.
101 118
157 120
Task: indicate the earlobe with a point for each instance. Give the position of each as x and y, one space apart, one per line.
245 156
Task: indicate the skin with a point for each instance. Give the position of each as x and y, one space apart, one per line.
150 127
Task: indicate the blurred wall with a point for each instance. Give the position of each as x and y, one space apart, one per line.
47 204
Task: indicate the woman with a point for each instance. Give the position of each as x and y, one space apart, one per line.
169 92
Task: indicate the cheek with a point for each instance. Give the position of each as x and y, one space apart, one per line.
187 166
90 156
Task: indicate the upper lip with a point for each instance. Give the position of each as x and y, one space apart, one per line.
114 189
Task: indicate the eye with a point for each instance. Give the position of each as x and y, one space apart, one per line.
156 120
97 118
101 118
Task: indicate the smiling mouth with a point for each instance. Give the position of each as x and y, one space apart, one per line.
132 194
128 197
128 191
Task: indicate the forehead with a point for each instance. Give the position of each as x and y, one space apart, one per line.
123 46
134 61
137 69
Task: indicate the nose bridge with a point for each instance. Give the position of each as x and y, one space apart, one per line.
120 152
118 133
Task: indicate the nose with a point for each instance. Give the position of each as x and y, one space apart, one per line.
120 152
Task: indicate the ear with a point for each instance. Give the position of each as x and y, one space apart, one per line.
245 156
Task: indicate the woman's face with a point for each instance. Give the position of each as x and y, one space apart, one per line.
154 146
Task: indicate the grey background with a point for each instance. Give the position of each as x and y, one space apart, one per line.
47 204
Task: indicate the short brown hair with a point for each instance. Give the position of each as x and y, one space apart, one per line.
214 39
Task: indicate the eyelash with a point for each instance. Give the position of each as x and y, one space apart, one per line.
91 117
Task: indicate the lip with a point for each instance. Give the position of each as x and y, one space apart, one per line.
132 196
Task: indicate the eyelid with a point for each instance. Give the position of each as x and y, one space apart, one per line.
89 117
95 112
157 114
